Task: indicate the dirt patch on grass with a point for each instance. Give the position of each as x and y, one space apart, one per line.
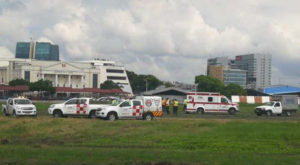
4 141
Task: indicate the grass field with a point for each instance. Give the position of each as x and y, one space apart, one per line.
185 139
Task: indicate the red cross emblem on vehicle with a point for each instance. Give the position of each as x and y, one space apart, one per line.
193 101
136 111
81 108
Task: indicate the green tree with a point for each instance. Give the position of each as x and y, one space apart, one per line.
152 82
208 84
17 82
133 79
169 84
234 89
138 82
108 84
42 85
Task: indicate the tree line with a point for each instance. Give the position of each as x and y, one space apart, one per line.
204 83
141 82
40 85
211 84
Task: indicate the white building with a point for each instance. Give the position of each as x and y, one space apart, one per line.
84 74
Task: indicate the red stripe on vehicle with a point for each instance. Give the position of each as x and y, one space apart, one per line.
210 103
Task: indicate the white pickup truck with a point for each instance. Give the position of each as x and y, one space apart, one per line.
284 104
76 107
144 107
19 107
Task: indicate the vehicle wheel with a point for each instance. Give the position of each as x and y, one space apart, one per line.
14 114
231 111
269 113
112 116
200 110
148 117
5 114
93 115
57 113
258 114
288 113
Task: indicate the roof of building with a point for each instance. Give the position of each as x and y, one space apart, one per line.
88 90
65 89
164 90
14 88
281 89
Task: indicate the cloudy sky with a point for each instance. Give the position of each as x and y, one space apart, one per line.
171 39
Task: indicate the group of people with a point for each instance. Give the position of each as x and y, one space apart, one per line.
167 103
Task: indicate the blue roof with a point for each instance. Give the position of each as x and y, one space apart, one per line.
281 90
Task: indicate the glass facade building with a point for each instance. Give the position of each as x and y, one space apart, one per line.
256 67
23 50
39 51
46 51
235 76
259 69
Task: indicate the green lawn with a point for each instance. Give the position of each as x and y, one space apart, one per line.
186 139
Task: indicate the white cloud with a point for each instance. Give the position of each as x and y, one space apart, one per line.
171 39
5 53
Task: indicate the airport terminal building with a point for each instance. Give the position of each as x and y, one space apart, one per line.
71 75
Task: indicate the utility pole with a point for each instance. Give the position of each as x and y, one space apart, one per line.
146 85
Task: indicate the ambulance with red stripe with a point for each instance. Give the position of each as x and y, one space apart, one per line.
203 102
76 107
143 107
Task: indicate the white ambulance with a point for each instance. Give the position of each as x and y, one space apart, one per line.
143 107
202 102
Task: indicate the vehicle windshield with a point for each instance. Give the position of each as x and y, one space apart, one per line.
115 102
22 101
269 104
225 100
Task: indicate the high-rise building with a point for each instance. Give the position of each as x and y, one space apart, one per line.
218 61
23 50
225 70
258 68
235 76
216 71
255 67
37 50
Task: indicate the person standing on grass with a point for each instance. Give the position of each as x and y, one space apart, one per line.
168 105
185 104
175 107
163 103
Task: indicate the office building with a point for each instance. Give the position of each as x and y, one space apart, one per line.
235 76
226 71
258 68
218 61
37 50
216 71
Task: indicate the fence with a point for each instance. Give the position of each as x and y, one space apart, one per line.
253 99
